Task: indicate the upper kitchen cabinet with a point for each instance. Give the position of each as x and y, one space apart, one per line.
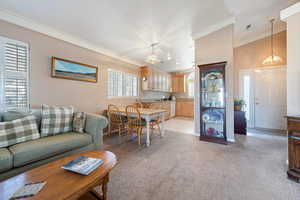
178 83
155 80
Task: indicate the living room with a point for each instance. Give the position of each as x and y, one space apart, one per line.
174 99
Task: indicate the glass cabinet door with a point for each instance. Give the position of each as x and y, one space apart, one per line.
213 122
212 101
212 89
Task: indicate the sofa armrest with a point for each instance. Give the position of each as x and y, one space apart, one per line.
94 125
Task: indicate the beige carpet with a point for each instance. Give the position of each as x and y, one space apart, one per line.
180 167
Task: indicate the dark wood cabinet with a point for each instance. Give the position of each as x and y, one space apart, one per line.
240 122
213 103
293 124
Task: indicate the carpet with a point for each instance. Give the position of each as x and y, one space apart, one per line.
180 167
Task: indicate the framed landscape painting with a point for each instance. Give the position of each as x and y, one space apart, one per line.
67 69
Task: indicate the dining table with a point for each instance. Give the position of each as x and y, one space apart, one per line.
148 114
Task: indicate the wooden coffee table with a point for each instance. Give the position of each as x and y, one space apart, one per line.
63 184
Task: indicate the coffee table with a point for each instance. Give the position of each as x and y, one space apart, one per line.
63 184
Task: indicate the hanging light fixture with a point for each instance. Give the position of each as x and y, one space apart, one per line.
169 57
152 58
272 59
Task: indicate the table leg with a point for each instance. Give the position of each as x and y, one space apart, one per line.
96 195
148 131
162 124
104 187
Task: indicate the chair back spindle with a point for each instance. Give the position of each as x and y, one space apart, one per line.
133 116
114 114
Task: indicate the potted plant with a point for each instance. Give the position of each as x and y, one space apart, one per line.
238 104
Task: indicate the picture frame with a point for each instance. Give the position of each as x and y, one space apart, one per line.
67 69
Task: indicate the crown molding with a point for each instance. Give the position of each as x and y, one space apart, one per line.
285 13
214 28
255 38
22 21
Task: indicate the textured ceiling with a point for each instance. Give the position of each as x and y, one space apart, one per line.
128 27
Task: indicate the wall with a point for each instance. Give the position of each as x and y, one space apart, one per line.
251 55
217 47
89 97
293 64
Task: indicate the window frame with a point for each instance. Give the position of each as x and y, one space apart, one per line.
123 73
4 74
193 73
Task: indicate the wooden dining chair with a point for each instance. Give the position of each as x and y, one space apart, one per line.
135 121
116 119
157 121
139 105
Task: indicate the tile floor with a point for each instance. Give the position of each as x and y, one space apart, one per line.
181 125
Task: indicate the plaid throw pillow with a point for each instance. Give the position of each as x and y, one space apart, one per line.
79 122
19 130
56 120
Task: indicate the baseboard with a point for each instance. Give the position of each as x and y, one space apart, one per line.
230 140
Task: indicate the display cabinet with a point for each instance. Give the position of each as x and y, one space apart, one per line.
213 103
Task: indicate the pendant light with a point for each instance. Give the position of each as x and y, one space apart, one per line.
272 59
152 58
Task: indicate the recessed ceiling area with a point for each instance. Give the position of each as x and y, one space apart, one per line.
129 27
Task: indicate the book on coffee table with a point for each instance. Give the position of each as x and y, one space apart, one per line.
83 165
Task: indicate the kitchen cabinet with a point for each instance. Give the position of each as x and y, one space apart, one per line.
185 108
178 83
155 80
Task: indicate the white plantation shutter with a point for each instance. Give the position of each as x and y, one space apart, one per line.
135 86
122 84
14 76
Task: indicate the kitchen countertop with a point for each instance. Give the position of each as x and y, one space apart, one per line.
155 101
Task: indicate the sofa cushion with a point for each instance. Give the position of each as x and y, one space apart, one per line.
19 130
13 115
31 151
56 120
6 159
38 116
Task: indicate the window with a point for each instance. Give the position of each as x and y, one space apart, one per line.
122 84
191 84
14 75
246 95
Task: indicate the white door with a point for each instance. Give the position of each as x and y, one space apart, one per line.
270 98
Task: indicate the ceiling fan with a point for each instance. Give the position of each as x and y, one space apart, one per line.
156 54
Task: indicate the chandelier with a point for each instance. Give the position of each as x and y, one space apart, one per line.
272 59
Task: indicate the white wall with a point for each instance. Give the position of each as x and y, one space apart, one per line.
293 64
212 48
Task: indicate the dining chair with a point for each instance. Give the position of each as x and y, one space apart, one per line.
139 105
116 119
157 121
135 121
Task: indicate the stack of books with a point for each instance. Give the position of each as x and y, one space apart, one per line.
83 165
